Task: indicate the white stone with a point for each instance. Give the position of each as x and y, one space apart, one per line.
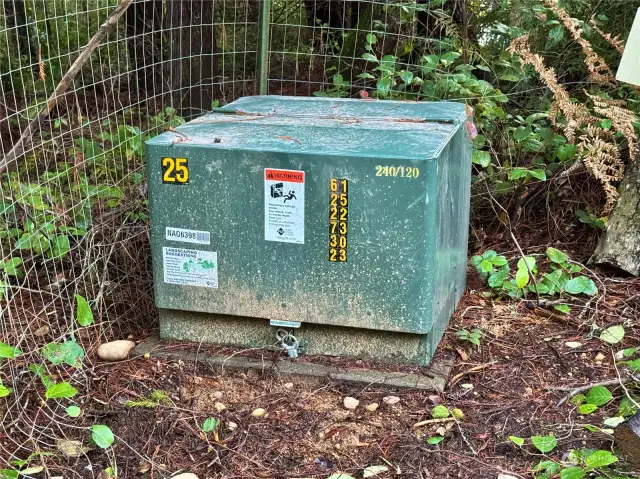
185 475
506 476
259 412
390 400
573 344
218 406
350 403
288 385
232 426
115 350
372 407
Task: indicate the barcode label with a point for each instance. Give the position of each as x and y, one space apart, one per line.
188 236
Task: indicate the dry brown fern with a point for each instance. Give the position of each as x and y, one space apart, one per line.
597 147
41 66
615 42
621 118
599 71
575 113
602 159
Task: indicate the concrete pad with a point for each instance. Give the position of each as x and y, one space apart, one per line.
434 378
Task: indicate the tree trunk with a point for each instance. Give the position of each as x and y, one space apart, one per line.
620 245
144 34
193 60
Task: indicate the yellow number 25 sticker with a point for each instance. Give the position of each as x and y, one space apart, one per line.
175 170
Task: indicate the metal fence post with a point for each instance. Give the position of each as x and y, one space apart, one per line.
263 47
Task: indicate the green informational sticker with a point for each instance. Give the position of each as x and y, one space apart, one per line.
190 267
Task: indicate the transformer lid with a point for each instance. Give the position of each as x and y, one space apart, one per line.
347 108
382 129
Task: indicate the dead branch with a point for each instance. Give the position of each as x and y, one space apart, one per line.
580 389
64 84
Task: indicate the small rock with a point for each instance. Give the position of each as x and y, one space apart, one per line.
373 406
232 426
600 357
573 344
506 476
528 391
259 412
115 350
218 406
217 394
466 386
390 400
185 475
288 385
620 355
350 403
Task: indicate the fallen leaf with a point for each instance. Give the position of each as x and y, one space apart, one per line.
373 470
71 448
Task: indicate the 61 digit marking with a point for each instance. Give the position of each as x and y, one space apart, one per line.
338 219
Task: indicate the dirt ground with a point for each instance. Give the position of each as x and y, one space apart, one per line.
502 387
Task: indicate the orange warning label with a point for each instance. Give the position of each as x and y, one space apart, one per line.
284 175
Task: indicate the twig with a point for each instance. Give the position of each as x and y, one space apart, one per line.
434 421
464 438
475 369
624 388
64 84
575 390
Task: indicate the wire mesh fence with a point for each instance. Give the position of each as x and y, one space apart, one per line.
83 83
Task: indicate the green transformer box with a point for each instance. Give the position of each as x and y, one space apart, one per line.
319 225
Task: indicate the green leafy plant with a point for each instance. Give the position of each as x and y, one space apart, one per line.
102 436
591 219
60 390
544 444
84 316
209 425
68 352
596 397
559 277
73 411
472 336
612 334
440 412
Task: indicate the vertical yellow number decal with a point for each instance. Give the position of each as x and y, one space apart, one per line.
338 218
175 170
167 170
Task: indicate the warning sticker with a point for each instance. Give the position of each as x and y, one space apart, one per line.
284 205
190 267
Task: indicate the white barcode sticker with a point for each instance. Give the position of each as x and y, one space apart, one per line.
188 236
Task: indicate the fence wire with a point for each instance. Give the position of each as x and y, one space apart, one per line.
73 198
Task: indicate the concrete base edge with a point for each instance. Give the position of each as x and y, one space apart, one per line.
433 379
